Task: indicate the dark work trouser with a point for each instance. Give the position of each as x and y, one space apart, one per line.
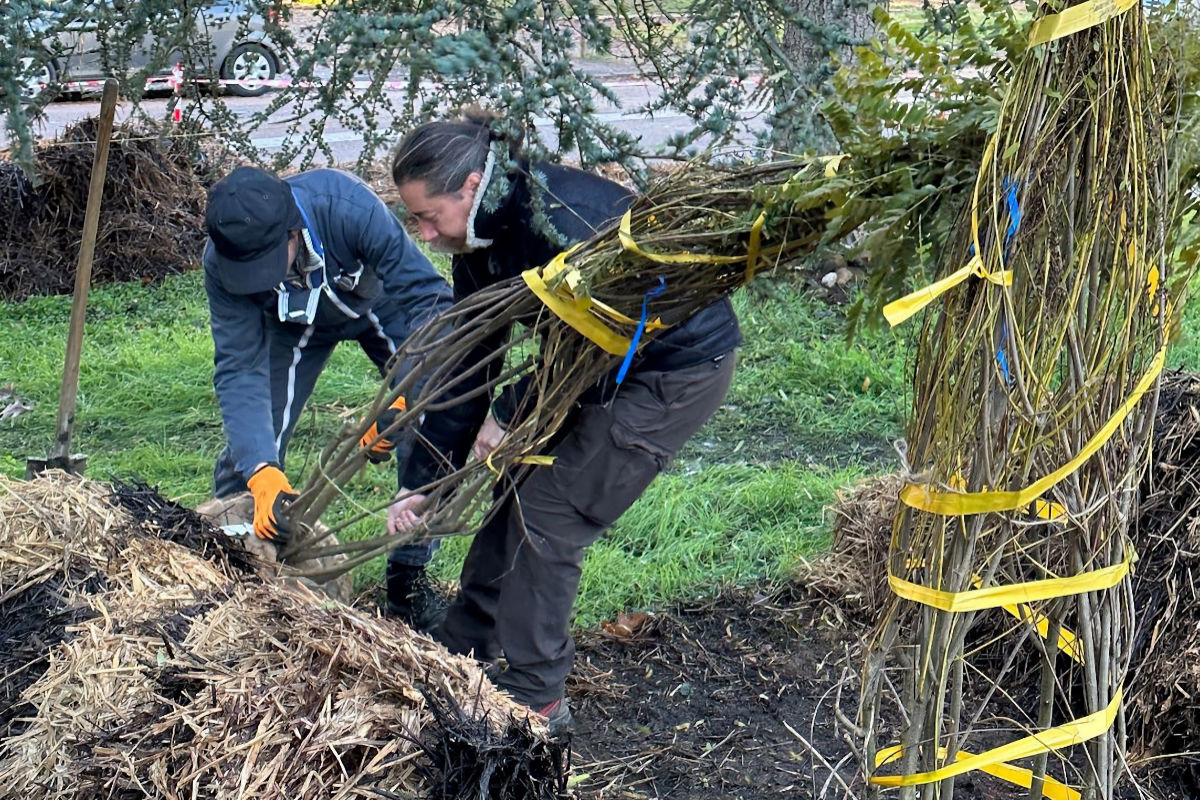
298 354
521 575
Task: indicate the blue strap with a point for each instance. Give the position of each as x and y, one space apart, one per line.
1002 357
318 276
1014 211
637 335
1009 186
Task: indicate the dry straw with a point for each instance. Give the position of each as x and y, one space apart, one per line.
181 676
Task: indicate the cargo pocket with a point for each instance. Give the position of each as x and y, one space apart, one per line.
618 475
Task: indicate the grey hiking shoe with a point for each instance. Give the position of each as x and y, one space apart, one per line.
558 717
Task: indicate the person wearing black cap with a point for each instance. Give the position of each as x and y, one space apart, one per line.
292 267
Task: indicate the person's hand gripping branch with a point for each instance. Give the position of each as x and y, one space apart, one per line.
272 493
488 438
376 443
403 514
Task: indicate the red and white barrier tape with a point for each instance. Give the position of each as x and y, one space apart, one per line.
175 82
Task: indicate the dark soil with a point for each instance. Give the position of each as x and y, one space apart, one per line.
733 698
739 698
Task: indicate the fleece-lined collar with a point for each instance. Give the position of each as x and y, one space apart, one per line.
493 199
474 242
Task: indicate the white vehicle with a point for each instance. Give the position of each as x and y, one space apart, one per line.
233 46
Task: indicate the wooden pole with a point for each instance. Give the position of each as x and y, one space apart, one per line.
68 394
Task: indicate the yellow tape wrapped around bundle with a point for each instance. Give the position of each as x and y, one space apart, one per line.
1012 594
938 501
951 501
994 761
1076 18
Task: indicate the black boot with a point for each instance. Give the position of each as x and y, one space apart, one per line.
412 597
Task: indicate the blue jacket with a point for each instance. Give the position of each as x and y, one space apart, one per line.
358 234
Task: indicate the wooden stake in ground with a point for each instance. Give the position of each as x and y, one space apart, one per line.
60 455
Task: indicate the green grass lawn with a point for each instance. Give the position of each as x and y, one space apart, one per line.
808 414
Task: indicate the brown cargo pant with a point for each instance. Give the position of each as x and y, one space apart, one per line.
521 575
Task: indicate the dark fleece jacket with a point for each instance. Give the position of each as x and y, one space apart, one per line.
527 228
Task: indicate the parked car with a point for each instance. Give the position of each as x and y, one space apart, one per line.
230 42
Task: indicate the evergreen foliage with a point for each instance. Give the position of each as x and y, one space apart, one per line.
912 110
913 114
712 60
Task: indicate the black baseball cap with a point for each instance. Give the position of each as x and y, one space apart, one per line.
249 216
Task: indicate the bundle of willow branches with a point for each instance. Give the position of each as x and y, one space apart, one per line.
694 237
1033 406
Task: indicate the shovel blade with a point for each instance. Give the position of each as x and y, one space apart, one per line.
74 464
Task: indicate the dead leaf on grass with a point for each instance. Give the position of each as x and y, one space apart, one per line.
626 625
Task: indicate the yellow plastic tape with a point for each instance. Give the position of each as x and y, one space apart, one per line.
576 312
1068 642
582 313
1019 776
1075 19
1057 738
1011 594
832 163
754 246
1048 510
538 461
898 311
926 498
558 265
625 235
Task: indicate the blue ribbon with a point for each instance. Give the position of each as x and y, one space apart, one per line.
637 335
1001 356
1014 211
1009 186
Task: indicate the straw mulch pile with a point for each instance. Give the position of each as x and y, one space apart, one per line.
151 217
1163 711
137 666
853 573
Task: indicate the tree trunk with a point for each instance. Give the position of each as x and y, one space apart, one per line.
816 44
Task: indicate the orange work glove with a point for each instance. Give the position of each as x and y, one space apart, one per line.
379 448
272 493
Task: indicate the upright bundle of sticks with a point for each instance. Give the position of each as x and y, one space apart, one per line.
1034 395
693 238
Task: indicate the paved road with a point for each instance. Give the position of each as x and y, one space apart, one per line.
630 91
